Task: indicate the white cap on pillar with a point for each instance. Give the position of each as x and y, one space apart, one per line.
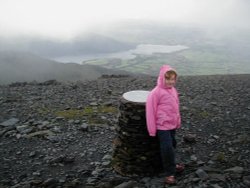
136 96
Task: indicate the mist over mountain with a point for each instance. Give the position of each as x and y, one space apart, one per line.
47 47
27 67
173 34
210 51
125 35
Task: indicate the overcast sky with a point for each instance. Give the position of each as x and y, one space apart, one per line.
66 18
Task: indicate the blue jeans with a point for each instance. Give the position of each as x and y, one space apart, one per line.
167 149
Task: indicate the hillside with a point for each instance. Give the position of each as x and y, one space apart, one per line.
61 134
27 67
210 51
83 44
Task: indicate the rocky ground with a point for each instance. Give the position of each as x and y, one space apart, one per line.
60 134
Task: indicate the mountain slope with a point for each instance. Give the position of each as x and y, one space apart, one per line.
84 44
20 67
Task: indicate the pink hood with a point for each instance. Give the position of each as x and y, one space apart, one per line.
162 106
161 77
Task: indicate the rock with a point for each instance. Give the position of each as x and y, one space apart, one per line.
37 173
216 137
193 158
104 185
50 182
107 157
9 122
246 180
72 158
215 186
24 129
40 133
62 159
59 118
236 169
91 181
84 127
7 129
220 177
93 104
191 138
32 154
201 174
129 184
77 121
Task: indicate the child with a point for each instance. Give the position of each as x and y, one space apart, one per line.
163 118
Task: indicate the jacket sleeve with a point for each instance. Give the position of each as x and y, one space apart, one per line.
151 108
179 115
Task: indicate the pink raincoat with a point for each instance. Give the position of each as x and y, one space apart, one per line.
162 106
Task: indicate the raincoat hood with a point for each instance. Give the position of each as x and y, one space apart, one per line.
161 77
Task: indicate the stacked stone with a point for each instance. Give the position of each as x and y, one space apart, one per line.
135 152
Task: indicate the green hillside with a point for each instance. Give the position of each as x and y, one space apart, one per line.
209 52
187 62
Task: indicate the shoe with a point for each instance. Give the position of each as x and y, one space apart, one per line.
170 180
180 168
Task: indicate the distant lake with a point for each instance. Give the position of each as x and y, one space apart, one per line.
142 49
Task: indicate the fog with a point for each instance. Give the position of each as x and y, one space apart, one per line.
65 19
77 27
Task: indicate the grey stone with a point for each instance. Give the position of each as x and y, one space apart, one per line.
236 169
107 157
246 180
190 138
216 186
84 127
93 104
77 122
32 154
129 184
220 177
9 122
106 163
40 133
50 182
91 181
201 174
193 158
22 128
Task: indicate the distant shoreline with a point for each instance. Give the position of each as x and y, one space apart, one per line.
141 49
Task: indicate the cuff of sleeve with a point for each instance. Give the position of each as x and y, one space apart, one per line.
152 134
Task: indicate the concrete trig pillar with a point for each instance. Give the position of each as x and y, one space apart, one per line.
135 152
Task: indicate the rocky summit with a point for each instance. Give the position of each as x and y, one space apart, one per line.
56 134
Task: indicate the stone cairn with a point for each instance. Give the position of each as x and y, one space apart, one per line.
135 152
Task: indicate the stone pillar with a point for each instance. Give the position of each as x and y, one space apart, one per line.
135 152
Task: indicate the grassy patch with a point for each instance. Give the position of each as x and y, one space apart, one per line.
43 111
70 114
92 113
204 114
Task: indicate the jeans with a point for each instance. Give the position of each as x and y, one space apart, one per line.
167 149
